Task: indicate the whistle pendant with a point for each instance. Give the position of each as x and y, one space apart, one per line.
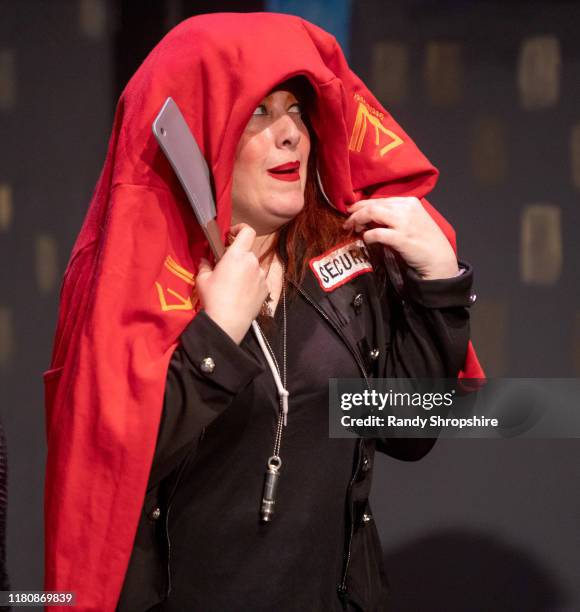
269 490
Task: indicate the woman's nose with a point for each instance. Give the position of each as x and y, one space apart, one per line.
287 132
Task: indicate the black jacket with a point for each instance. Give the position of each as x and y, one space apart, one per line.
420 330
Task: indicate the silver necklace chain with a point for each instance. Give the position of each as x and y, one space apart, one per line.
274 463
278 438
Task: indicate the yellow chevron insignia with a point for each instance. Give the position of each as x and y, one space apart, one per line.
364 116
183 302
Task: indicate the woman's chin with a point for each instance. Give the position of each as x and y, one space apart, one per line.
271 217
286 209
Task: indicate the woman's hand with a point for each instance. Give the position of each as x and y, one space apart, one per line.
234 291
403 224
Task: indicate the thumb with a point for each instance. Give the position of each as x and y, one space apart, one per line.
203 270
244 238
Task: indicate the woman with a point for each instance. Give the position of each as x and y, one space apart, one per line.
154 479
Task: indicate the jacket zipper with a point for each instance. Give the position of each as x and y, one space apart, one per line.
342 585
168 588
358 359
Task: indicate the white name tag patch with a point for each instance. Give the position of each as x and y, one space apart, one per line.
336 267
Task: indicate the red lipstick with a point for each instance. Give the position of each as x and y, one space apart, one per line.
286 172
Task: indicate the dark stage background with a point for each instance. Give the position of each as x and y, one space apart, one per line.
490 91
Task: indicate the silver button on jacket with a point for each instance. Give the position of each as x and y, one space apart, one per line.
207 365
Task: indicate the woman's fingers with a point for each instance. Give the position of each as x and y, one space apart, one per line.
234 229
204 266
381 214
243 238
383 235
233 232
404 224
203 270
386 202
233 292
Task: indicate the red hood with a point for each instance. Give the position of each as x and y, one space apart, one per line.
125 297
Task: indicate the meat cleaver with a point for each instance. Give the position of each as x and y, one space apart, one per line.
181 149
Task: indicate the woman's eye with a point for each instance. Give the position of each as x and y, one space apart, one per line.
294 109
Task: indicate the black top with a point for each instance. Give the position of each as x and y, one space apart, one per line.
222 556
205 492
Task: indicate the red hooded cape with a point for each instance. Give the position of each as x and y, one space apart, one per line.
126 294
